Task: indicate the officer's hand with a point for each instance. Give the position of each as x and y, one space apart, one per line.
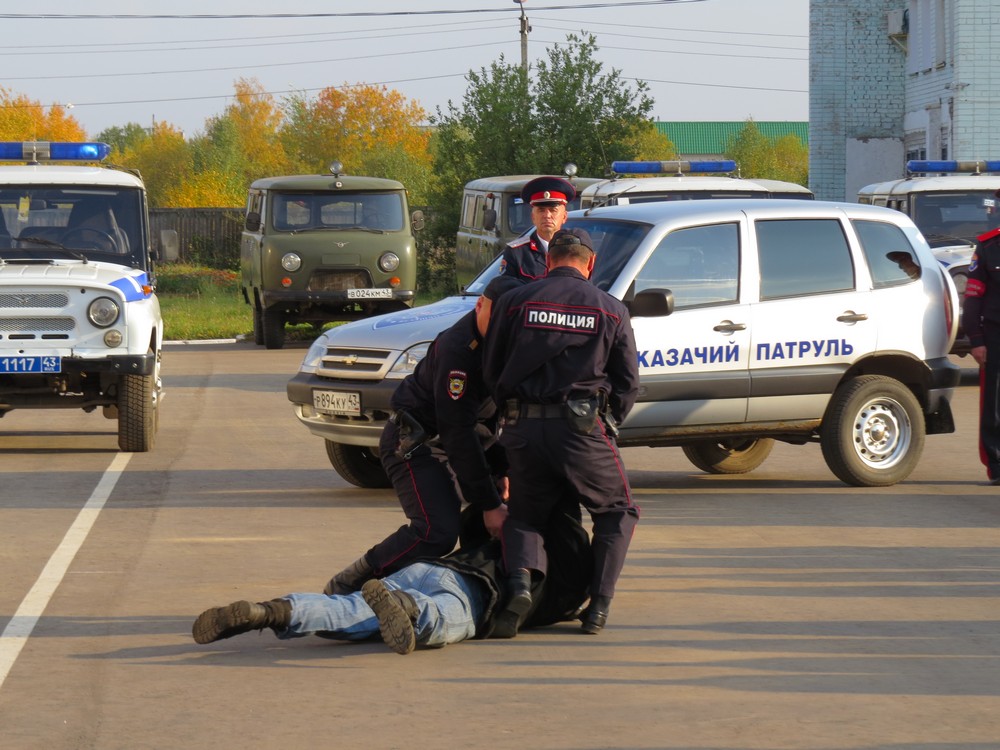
493 519
979 354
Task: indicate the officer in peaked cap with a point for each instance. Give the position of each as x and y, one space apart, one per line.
560 360
524 258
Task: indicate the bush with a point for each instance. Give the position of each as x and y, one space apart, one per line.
183 278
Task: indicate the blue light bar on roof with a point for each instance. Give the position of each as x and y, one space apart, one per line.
34 151
973 167
671 167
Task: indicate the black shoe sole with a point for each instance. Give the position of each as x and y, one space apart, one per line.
393 622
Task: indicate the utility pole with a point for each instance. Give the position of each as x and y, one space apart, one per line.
525 28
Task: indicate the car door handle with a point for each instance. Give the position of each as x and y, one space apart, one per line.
728 326
851 317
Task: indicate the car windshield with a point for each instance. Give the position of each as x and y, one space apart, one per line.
376 212
965 214
614 241
93 223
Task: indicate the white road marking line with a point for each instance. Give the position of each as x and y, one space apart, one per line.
15 635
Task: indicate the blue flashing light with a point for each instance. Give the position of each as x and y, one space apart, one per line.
35 151
931 165
672 167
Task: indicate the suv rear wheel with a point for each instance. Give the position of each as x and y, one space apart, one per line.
358 464
873 432
736 456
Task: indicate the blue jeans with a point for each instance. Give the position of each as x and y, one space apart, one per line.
450 606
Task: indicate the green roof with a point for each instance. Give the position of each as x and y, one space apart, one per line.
712 137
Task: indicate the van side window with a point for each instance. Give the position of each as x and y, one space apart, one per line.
891 259
700 265
472 214
803 256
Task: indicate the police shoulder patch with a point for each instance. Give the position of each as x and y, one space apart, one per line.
457 380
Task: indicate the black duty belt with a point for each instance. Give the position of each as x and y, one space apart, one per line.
520 410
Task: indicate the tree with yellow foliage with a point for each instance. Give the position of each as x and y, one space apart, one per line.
353 125
22 119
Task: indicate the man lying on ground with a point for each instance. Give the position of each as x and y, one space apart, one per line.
430 602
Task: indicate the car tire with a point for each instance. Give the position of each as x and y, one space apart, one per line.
735 456
357 464
873 432
273 329
137 413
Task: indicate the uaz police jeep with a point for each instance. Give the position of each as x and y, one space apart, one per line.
792 320
80 325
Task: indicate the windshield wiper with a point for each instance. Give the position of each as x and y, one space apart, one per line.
52 243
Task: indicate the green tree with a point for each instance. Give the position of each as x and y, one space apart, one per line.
511 123
122 138
583 114
787 158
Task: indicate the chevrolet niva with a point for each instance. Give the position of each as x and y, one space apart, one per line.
755 321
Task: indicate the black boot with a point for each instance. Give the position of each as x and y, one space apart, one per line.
518 590
396 612
241 617
596 615
350 578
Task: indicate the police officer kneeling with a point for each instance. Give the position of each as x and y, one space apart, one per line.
560 360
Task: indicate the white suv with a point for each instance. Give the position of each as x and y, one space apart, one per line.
755 321
80 325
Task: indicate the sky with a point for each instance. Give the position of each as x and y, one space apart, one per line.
147 62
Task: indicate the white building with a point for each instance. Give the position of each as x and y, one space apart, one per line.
892 80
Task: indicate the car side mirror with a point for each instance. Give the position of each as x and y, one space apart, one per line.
253 221
652 303
489 219
417 220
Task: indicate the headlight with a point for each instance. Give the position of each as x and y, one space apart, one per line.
312 359
408 360
291 262
388 262
103 312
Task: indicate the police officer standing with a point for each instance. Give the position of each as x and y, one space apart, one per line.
433 450
981 322
560 360
524 258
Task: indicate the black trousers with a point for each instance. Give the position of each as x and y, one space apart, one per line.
551 464
989 415
429 495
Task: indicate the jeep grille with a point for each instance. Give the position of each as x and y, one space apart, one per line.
355 364
33 299
330 280
36 328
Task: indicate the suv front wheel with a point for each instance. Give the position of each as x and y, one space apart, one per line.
358 464
873 432
736 456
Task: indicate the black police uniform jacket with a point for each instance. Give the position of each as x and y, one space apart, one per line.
982 294
447 396
561 338
524 258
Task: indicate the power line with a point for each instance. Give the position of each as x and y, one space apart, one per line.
357 14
